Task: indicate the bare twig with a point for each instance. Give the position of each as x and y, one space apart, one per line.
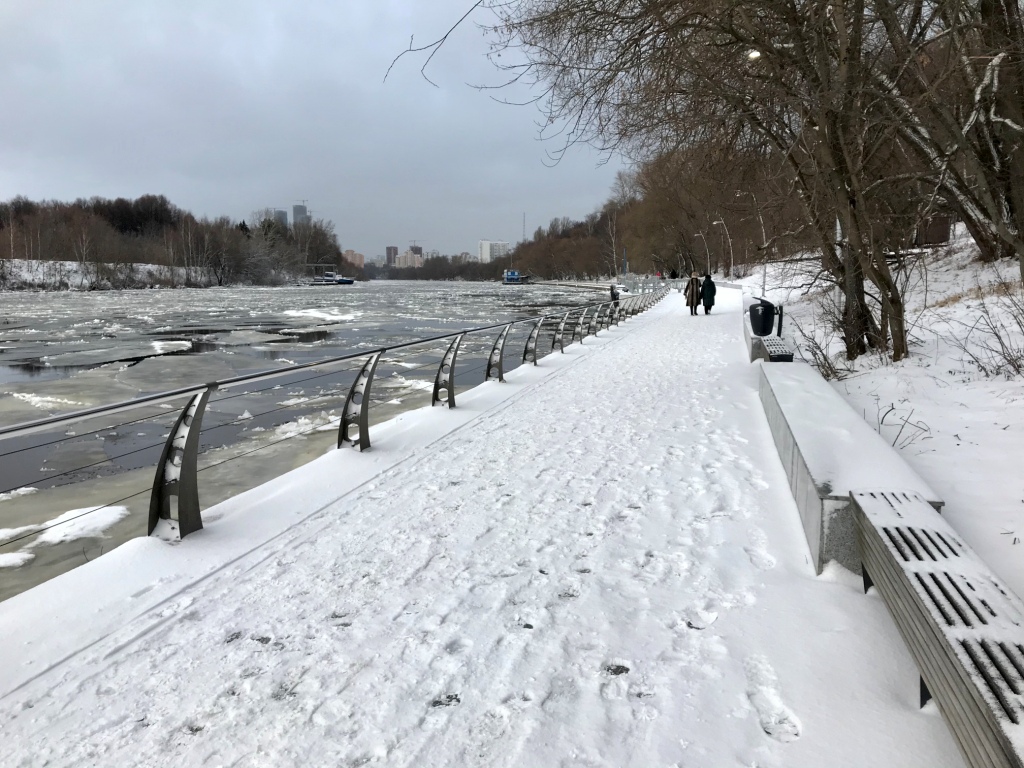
433 47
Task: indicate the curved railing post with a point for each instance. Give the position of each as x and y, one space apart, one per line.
578 328
559 337
357 407
603 313
530 350
445 378
176 472
496 360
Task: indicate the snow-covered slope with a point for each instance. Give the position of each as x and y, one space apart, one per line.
597 563
959 426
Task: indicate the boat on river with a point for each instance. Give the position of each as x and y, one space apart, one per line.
514 277
330 278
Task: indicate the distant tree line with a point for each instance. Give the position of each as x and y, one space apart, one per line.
121 243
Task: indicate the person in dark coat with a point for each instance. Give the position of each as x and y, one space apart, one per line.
707 294
615 296
692 293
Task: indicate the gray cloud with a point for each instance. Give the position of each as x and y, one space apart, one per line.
227 107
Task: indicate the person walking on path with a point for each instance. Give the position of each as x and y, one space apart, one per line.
613 313
693 293
707 294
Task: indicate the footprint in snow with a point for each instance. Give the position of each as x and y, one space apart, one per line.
759 558
775 718
448 700
758 550
698 619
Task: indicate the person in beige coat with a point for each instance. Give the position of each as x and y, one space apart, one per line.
692 293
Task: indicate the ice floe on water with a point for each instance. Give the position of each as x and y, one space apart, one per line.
166 347
78 524
8 534
45 402
15 559
87 522
322 314
14 494
304 425
396 381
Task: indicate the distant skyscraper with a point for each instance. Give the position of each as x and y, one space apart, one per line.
300 215
392 255
417 249
281 217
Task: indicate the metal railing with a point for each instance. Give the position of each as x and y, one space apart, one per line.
173 494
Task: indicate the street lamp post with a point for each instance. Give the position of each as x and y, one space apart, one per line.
729 238
706 249
764 238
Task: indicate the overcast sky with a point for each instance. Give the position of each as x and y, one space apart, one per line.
227 107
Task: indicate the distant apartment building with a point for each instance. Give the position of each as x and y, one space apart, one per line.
300 215
392 255
410 259
417 249
355 259
489 250
380 260
281 217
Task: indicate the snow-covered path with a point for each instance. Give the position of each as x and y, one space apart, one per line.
604 569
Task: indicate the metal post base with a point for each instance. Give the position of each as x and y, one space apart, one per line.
356 410
558 340
530 350
445 378
496 360
176 472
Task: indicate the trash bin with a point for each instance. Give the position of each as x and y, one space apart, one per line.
762 318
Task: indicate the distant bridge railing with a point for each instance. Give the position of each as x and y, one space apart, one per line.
105 465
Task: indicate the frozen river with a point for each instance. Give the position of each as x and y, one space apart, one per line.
63 352
136 342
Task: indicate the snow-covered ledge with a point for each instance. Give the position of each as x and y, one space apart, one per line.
828 450
748 334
